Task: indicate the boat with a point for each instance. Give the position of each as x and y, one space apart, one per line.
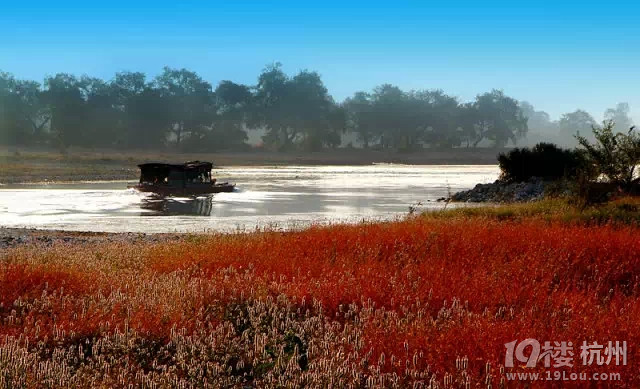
188 179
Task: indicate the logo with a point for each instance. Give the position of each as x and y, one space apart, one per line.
530 353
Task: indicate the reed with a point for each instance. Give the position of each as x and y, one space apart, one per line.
425 302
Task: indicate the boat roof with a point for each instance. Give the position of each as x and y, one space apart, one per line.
191 165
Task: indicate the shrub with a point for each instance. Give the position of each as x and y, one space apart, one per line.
544 160
615 156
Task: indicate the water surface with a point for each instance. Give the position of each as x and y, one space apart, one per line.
276 197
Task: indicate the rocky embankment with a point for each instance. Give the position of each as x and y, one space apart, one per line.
502 192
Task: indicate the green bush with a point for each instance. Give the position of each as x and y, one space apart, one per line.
544 160
615 156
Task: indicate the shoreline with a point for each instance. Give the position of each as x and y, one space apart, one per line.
39 166
11 237
623 211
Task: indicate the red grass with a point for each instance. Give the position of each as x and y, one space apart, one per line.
443 289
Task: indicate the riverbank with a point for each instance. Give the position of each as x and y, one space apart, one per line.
392 304
501 191
624 211
15 237
28 166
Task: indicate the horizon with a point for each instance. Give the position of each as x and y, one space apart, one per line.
559 58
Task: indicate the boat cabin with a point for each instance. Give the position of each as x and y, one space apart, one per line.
192 177
178 175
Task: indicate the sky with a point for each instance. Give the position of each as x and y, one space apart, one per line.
558 55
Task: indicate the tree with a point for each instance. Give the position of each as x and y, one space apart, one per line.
620 117
12 129
396 124
542 129
180 108
358 116
32 108
467 122
295 110
498 118
233 103
127 84
271 107
23 115
439 116
538 121
142 112
101 113
614 155
189 99
577 122
147 118
64 98
313 112
337 125
405 120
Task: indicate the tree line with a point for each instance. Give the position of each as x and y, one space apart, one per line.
178 109
579 122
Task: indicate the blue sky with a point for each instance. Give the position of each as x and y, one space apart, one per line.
558 55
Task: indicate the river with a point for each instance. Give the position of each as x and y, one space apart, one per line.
266 197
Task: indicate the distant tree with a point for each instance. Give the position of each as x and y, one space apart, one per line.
12 131
230 95
127 84
295 110
233 103
5 95
620 117
189 99
23 115
179 108
467 123
313 111
528 111
147 118
440 116
102 122
34 110
577 122
405 120
538 121
142 112
542 129
64 98
271 109
395 123
336 126
359 118
498 118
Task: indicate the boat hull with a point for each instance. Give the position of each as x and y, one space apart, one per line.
164 190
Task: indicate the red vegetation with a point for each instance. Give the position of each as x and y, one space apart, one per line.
401 303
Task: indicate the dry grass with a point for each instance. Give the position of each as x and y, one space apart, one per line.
624 210
426 302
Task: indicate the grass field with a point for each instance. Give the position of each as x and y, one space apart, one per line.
425 302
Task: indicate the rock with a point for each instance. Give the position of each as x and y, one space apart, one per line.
501 191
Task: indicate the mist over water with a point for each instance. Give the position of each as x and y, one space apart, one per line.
279 197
